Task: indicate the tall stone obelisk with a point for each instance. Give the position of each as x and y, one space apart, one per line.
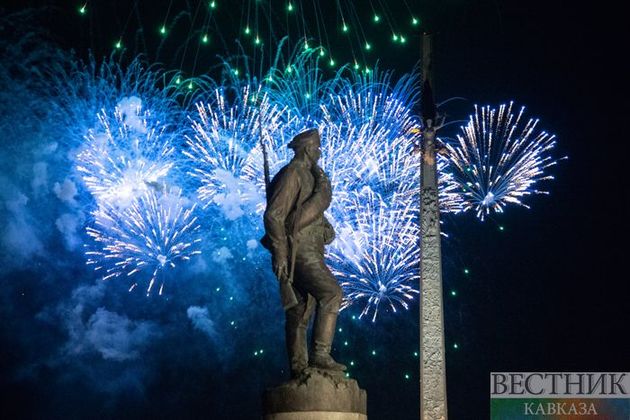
432 354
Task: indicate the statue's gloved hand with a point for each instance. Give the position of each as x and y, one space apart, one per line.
280 267
322 183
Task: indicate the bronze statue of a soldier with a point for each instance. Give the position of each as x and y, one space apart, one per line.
296 232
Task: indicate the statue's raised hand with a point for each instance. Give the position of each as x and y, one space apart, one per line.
321 179
323 187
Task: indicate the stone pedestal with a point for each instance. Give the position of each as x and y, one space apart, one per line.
316 395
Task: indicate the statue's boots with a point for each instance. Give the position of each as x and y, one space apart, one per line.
323 333
296 345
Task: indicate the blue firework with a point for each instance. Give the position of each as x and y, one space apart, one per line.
142 241
124 156
376 253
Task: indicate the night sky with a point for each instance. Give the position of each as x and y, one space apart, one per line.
548 292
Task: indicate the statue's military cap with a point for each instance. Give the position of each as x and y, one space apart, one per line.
304 139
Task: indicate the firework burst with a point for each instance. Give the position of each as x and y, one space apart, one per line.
376 253
227 141
498 160
125 156
151 235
